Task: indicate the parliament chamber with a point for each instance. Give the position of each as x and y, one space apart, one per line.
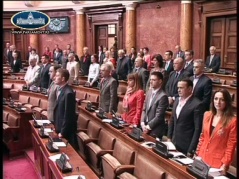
106 152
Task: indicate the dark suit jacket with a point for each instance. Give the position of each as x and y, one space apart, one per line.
108 95
85 64
170 67
17 66
10 57
155 112
181 54
64 113
123 68
144 74
215 64
171 87
57 57
6 53
101 58
203 90
185 130
189 68
44 76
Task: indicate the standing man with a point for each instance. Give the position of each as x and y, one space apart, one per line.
32 76
189 62
108 90
155 105
73 68
213 61
85 61
44 75
123 67
6 51
202 84
168 57
65 120
179 52
175 76
186 122
101 55
143 73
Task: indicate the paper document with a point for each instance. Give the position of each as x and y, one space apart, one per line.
60 144
214 172
184 161
170 145
177 154
75 177
54 157
41 122
107 120
148 144
48 130
220 177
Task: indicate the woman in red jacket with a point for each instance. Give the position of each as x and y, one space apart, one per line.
133 100
218 139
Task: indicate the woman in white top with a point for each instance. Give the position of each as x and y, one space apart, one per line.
94 69
33 55
73 67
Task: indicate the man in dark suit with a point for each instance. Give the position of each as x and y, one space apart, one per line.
168 65
123 67
101 54
187 116
16 64
202 84
179 52
57 56
44 74
189 61
29 51
143 73
213 61
13 49
65 120
179 73
85 61
155 105
57 47
108 90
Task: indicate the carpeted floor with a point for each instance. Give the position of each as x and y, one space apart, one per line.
18 168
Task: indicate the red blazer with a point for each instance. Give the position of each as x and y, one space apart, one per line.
135 105
218 148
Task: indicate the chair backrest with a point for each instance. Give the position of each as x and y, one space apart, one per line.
43 104
34 101
145 168
106 141
93 130
5 116
81 94
92 97
24 99
123 153
7 85
13 121
120 108
82 122
17 86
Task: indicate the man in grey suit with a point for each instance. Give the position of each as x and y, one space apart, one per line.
143 73
108 90
155 105
187 116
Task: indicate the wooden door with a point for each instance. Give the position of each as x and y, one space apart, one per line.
223 36
101 36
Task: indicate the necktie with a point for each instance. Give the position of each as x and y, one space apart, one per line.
176 75
136 70
151 99
211 57
84 59
186 65
58 92
166 66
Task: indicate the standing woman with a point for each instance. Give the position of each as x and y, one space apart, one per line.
94 71
51 92
133 100
218 139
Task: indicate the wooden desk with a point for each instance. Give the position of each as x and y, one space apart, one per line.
47 168
172 169
228 78
24 130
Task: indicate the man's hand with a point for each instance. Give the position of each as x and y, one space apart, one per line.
59 135
169 140
170 100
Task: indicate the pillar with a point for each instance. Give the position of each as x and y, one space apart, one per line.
34 41
186 25
130 38
80 31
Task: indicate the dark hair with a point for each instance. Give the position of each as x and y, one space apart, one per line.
96 57
56 67
138 84
159 59
228 112
76 58
170 52
46 57
188 81
33 49
146 48
190 51
64 73
158 74
101 47
141 54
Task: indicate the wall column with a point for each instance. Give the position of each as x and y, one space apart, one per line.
186 25
34 41
80 31
130 35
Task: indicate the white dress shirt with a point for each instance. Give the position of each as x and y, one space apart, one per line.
32 73
181 103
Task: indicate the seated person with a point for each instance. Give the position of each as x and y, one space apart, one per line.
93 71
133 100
218 139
